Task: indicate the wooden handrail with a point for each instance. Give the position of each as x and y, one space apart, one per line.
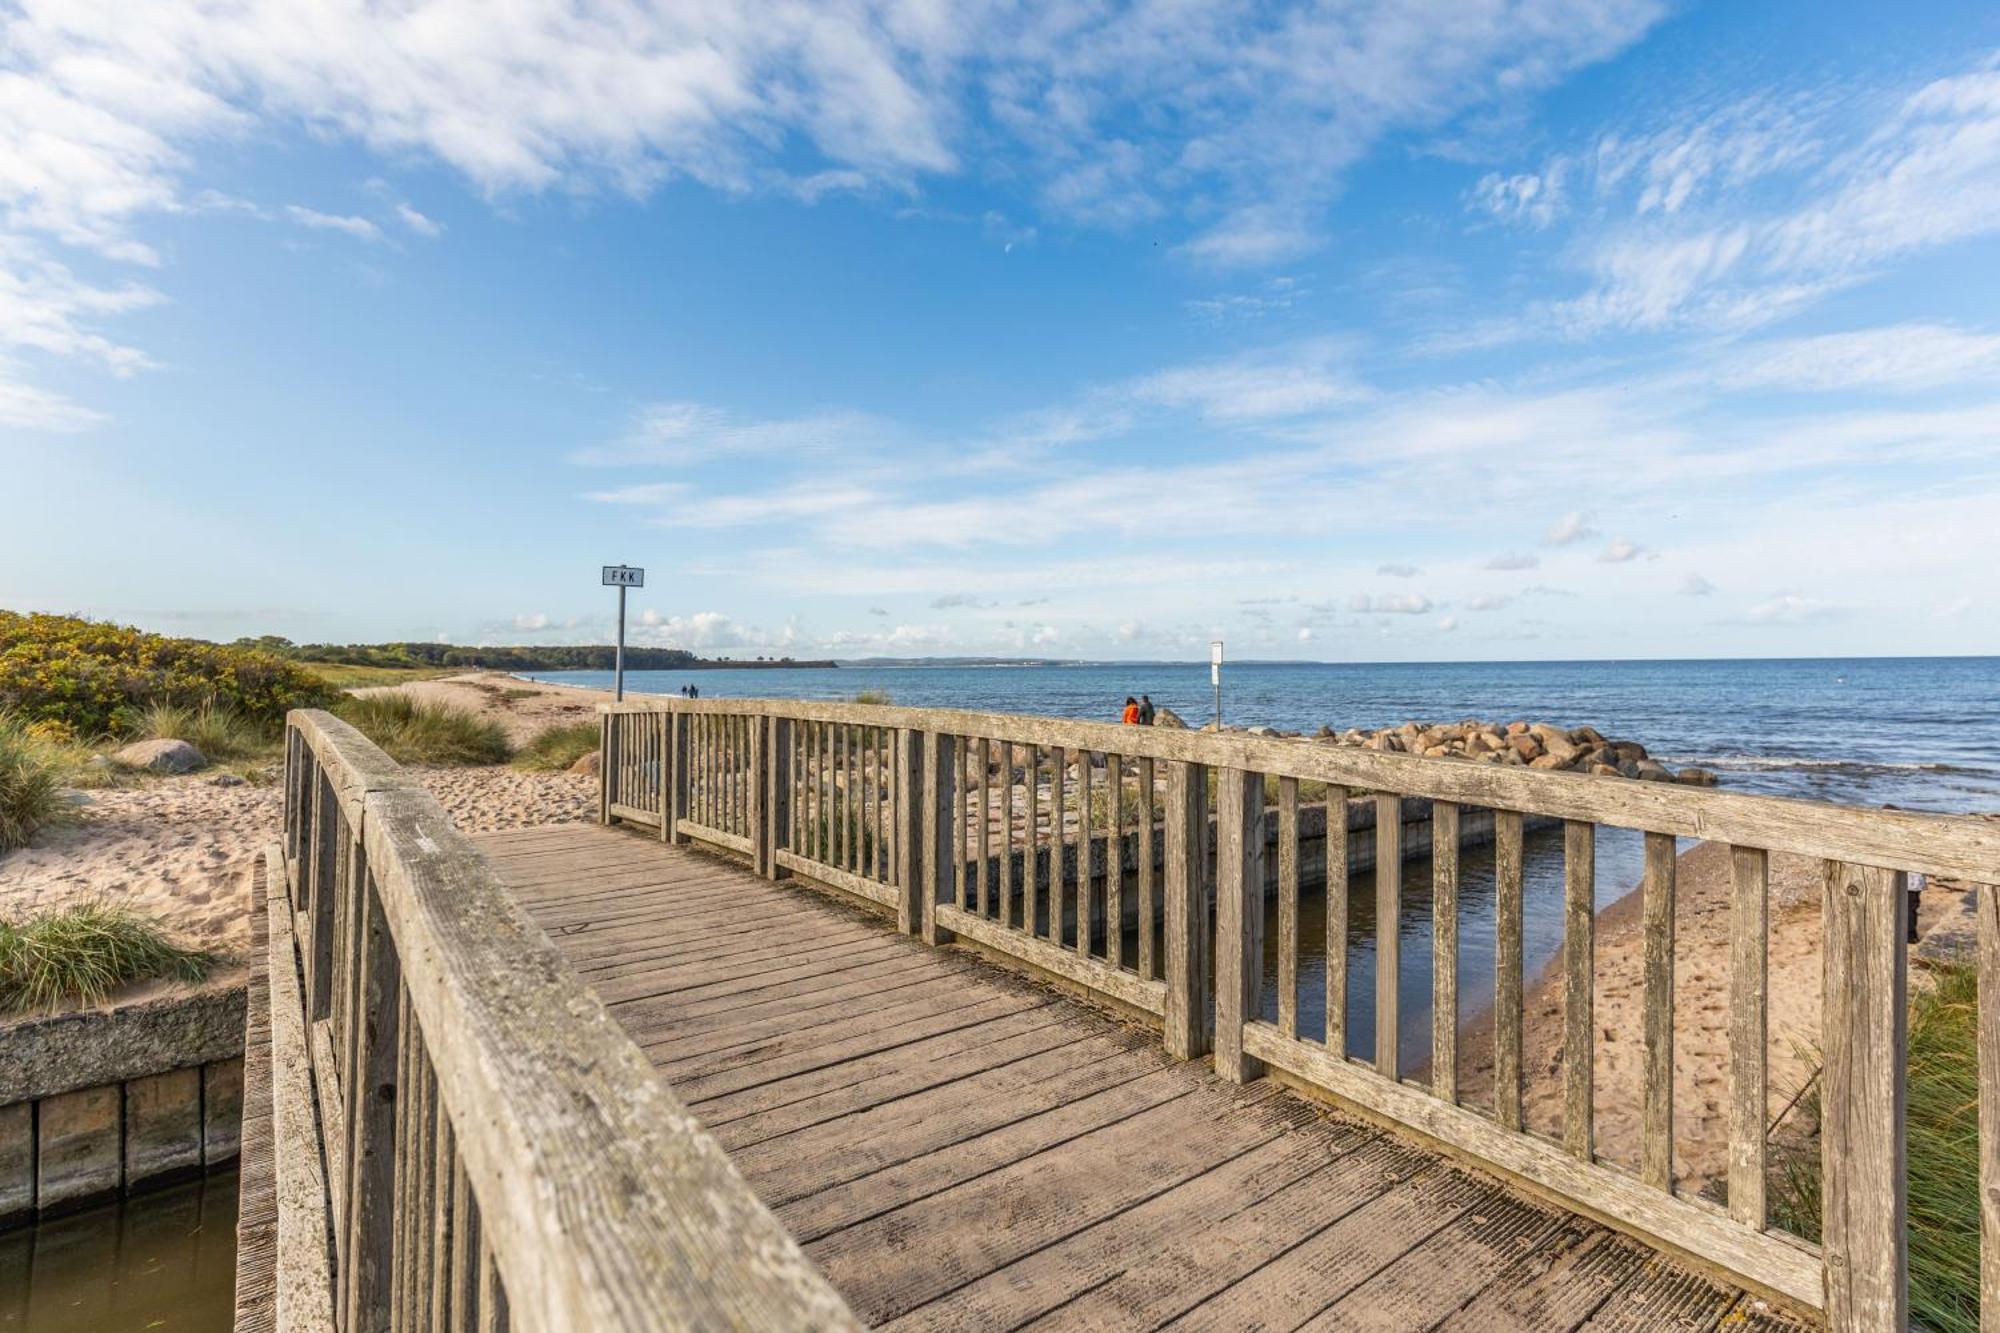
1953 846
500 1147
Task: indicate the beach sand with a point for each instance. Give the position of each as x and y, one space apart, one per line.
1701 1015
179 849
524 708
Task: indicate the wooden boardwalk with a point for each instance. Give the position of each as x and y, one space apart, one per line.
957 1146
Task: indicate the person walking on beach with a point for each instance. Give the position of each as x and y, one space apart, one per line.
1146 710
1131 711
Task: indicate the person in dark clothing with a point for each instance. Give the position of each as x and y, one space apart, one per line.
1146 710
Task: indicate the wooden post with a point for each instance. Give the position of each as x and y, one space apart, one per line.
1656 1129
330 835
606 766
756 813
778 794
942 814
1188 1033
910 824
1579 983
1749 1034
1988 908
1239 918
678 775
1388 936
1444 949
371 1134
1335 952
1288 906
1863 1027
1507 968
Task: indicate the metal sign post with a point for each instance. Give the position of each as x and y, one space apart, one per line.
622 577
1215 678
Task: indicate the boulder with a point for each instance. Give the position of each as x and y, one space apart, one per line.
1653 771
1525 745
1696 777
1605 771
1587 736
1559 746
1545 761
1631 750
1517 728
161 756
588 764
226 780
1168 718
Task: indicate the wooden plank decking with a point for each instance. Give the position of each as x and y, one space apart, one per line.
960 1147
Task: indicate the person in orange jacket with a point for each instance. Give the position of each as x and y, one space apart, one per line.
1131 711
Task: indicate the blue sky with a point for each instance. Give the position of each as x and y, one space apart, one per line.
1542 329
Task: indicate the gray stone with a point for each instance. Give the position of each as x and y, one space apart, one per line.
52 1054
588 764
1697 777
1167 717
162 756
226 780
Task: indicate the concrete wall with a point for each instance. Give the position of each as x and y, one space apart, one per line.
106 1101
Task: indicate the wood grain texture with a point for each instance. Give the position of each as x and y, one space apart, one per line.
1656 1130
1864 1211
1444 951
1388 936
1189 1030
1335 946
1288 906
1749 1103
1149 875
1507 978
1579 988
1239 918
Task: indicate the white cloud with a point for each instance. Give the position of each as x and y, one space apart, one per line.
1303 378
1447 623
1900 357
1489 601
361 229
1398 571
1571 527
688 432
1619 551
25 407
1391 604
1790 609
1694 585
531 621
1305 634
418 222
1514 560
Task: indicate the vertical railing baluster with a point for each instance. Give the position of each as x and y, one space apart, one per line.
1579 985
366 1275
1444 950
1388 935
1864 1238
943 826
1507 963
1239 917
1288 905
1085 861
1114 862
1006 867
1749 1035
1187 1023
1336 922
1149 880
1031 871
1656 1147
982 769
1058 839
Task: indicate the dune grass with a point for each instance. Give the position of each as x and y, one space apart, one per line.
880 698
1942 1128
415 731
345 676
81 954
34 772
218 731
556 748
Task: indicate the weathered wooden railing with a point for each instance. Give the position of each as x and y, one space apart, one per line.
492 1151
916 810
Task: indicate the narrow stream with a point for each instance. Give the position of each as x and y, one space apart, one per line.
163 1260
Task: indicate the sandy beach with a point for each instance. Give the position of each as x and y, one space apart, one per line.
178 849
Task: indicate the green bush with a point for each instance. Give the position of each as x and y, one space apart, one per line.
33 773
97 679
415 731
1941 1125
558 747
880 698
81 954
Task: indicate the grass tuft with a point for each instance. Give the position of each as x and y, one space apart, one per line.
555 749
34 772
880 698
81 954
217 731
415 731
1942 1127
